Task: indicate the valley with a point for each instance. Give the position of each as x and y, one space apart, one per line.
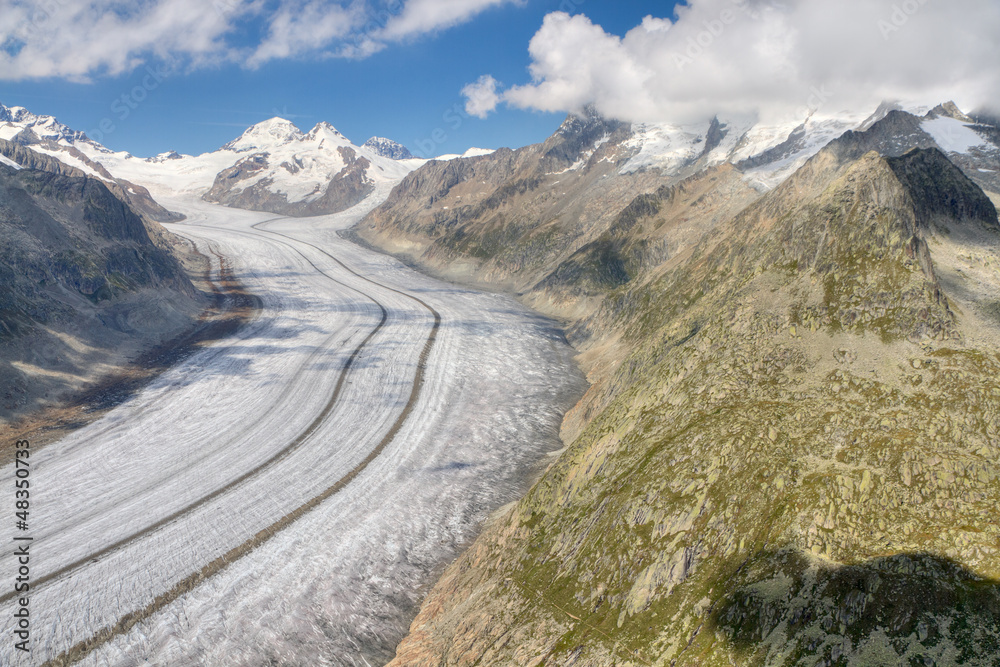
782 452
340 415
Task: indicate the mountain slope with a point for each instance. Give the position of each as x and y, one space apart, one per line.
511 217
82 286
788 454
388 148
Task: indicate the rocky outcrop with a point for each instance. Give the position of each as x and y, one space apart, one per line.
788 452
900 132
347 189
940 190
29 159
229 189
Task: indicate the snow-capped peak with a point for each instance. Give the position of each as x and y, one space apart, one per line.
325 128
267 134
163 157
326 136
950 110
15 114
14 120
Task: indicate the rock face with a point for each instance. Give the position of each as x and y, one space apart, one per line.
536 219
82 281
788 454
388 148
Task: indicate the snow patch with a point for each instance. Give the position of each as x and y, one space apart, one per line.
472 152
8 131
953 136
665 147
10 163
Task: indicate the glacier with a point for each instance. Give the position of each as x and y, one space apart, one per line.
129 507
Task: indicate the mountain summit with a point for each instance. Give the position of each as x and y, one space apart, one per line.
283 170
266 135
15 120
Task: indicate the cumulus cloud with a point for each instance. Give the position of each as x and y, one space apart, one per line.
775 59
481 96
80 39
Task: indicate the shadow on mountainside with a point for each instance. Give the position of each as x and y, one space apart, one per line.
905 609
232 308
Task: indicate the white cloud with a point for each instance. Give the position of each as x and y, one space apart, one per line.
80 39
304 27
423 16
75 39
767 57
482 97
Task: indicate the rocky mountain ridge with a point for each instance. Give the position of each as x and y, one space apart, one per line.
789 444
42 142
518 218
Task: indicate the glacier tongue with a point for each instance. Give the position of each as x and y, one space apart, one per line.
10 163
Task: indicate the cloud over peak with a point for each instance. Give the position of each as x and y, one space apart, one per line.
774 59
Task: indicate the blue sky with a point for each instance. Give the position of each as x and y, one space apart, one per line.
406 91
406 69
